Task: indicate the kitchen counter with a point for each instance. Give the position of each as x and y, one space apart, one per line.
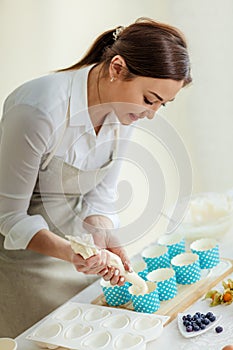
171 337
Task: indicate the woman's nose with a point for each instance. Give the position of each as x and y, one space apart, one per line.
153 110
150 113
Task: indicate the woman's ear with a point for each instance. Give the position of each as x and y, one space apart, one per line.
116 67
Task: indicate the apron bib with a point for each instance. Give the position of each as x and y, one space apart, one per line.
32 285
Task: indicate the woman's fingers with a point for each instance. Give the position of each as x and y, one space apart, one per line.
99 264
113 276
92 265
103 272
124 257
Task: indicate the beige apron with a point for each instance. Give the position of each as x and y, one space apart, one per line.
32 285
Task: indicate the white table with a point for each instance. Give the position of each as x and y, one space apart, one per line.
171 338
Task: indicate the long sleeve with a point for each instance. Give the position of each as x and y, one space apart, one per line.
24 134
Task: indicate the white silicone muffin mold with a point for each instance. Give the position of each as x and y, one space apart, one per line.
91 327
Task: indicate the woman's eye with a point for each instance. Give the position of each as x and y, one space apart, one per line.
147 101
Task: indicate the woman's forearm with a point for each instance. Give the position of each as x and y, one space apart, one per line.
97 222
47 243
100 227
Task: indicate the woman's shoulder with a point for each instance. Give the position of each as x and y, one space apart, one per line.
43 92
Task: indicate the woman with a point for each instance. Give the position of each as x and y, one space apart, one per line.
60 135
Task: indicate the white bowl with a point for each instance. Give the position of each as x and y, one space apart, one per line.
8 344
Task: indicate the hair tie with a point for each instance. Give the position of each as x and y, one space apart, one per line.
118 32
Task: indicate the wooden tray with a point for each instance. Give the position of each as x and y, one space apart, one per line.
187 294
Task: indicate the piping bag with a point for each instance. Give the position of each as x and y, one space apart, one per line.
86 248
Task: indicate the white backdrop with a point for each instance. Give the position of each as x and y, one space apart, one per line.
38 36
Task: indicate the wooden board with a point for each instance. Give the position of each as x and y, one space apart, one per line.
187 294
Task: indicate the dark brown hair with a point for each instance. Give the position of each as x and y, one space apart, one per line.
149 48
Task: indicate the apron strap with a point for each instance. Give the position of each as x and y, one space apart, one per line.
50 156
116 143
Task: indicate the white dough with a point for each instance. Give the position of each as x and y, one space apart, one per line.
85 246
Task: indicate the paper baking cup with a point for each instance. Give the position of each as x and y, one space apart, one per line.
149 302
115 295
174 242
156 257
208 251
187 268
166 282
140 268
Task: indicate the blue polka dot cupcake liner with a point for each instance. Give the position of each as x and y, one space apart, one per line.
187 268
166 282
156 257
116 295
176 249
140 268
147 303
143 274
174 242
208 251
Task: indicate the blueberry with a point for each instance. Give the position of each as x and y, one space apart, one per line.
202 326
198 321
196 328
209 314
184 318
202 315
198 314
189 328
188 317
195 317
212 318
219 329
206 321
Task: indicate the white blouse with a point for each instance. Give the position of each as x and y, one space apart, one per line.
33 116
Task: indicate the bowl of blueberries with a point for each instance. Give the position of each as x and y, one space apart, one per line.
198 323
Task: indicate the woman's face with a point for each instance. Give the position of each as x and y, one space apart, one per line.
141 97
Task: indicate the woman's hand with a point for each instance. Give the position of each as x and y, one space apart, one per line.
93 265
101 229
98 264
113 274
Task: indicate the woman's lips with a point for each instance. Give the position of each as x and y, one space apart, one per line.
133 117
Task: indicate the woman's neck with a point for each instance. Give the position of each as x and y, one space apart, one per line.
96 106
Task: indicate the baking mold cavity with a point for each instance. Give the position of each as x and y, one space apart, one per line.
69 313
116 322
128 341
144 323
96 314
48 331
77 330
99 340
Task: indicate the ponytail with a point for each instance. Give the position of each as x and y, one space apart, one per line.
149 48
96 52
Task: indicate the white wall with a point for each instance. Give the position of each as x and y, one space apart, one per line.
38 36
203 112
